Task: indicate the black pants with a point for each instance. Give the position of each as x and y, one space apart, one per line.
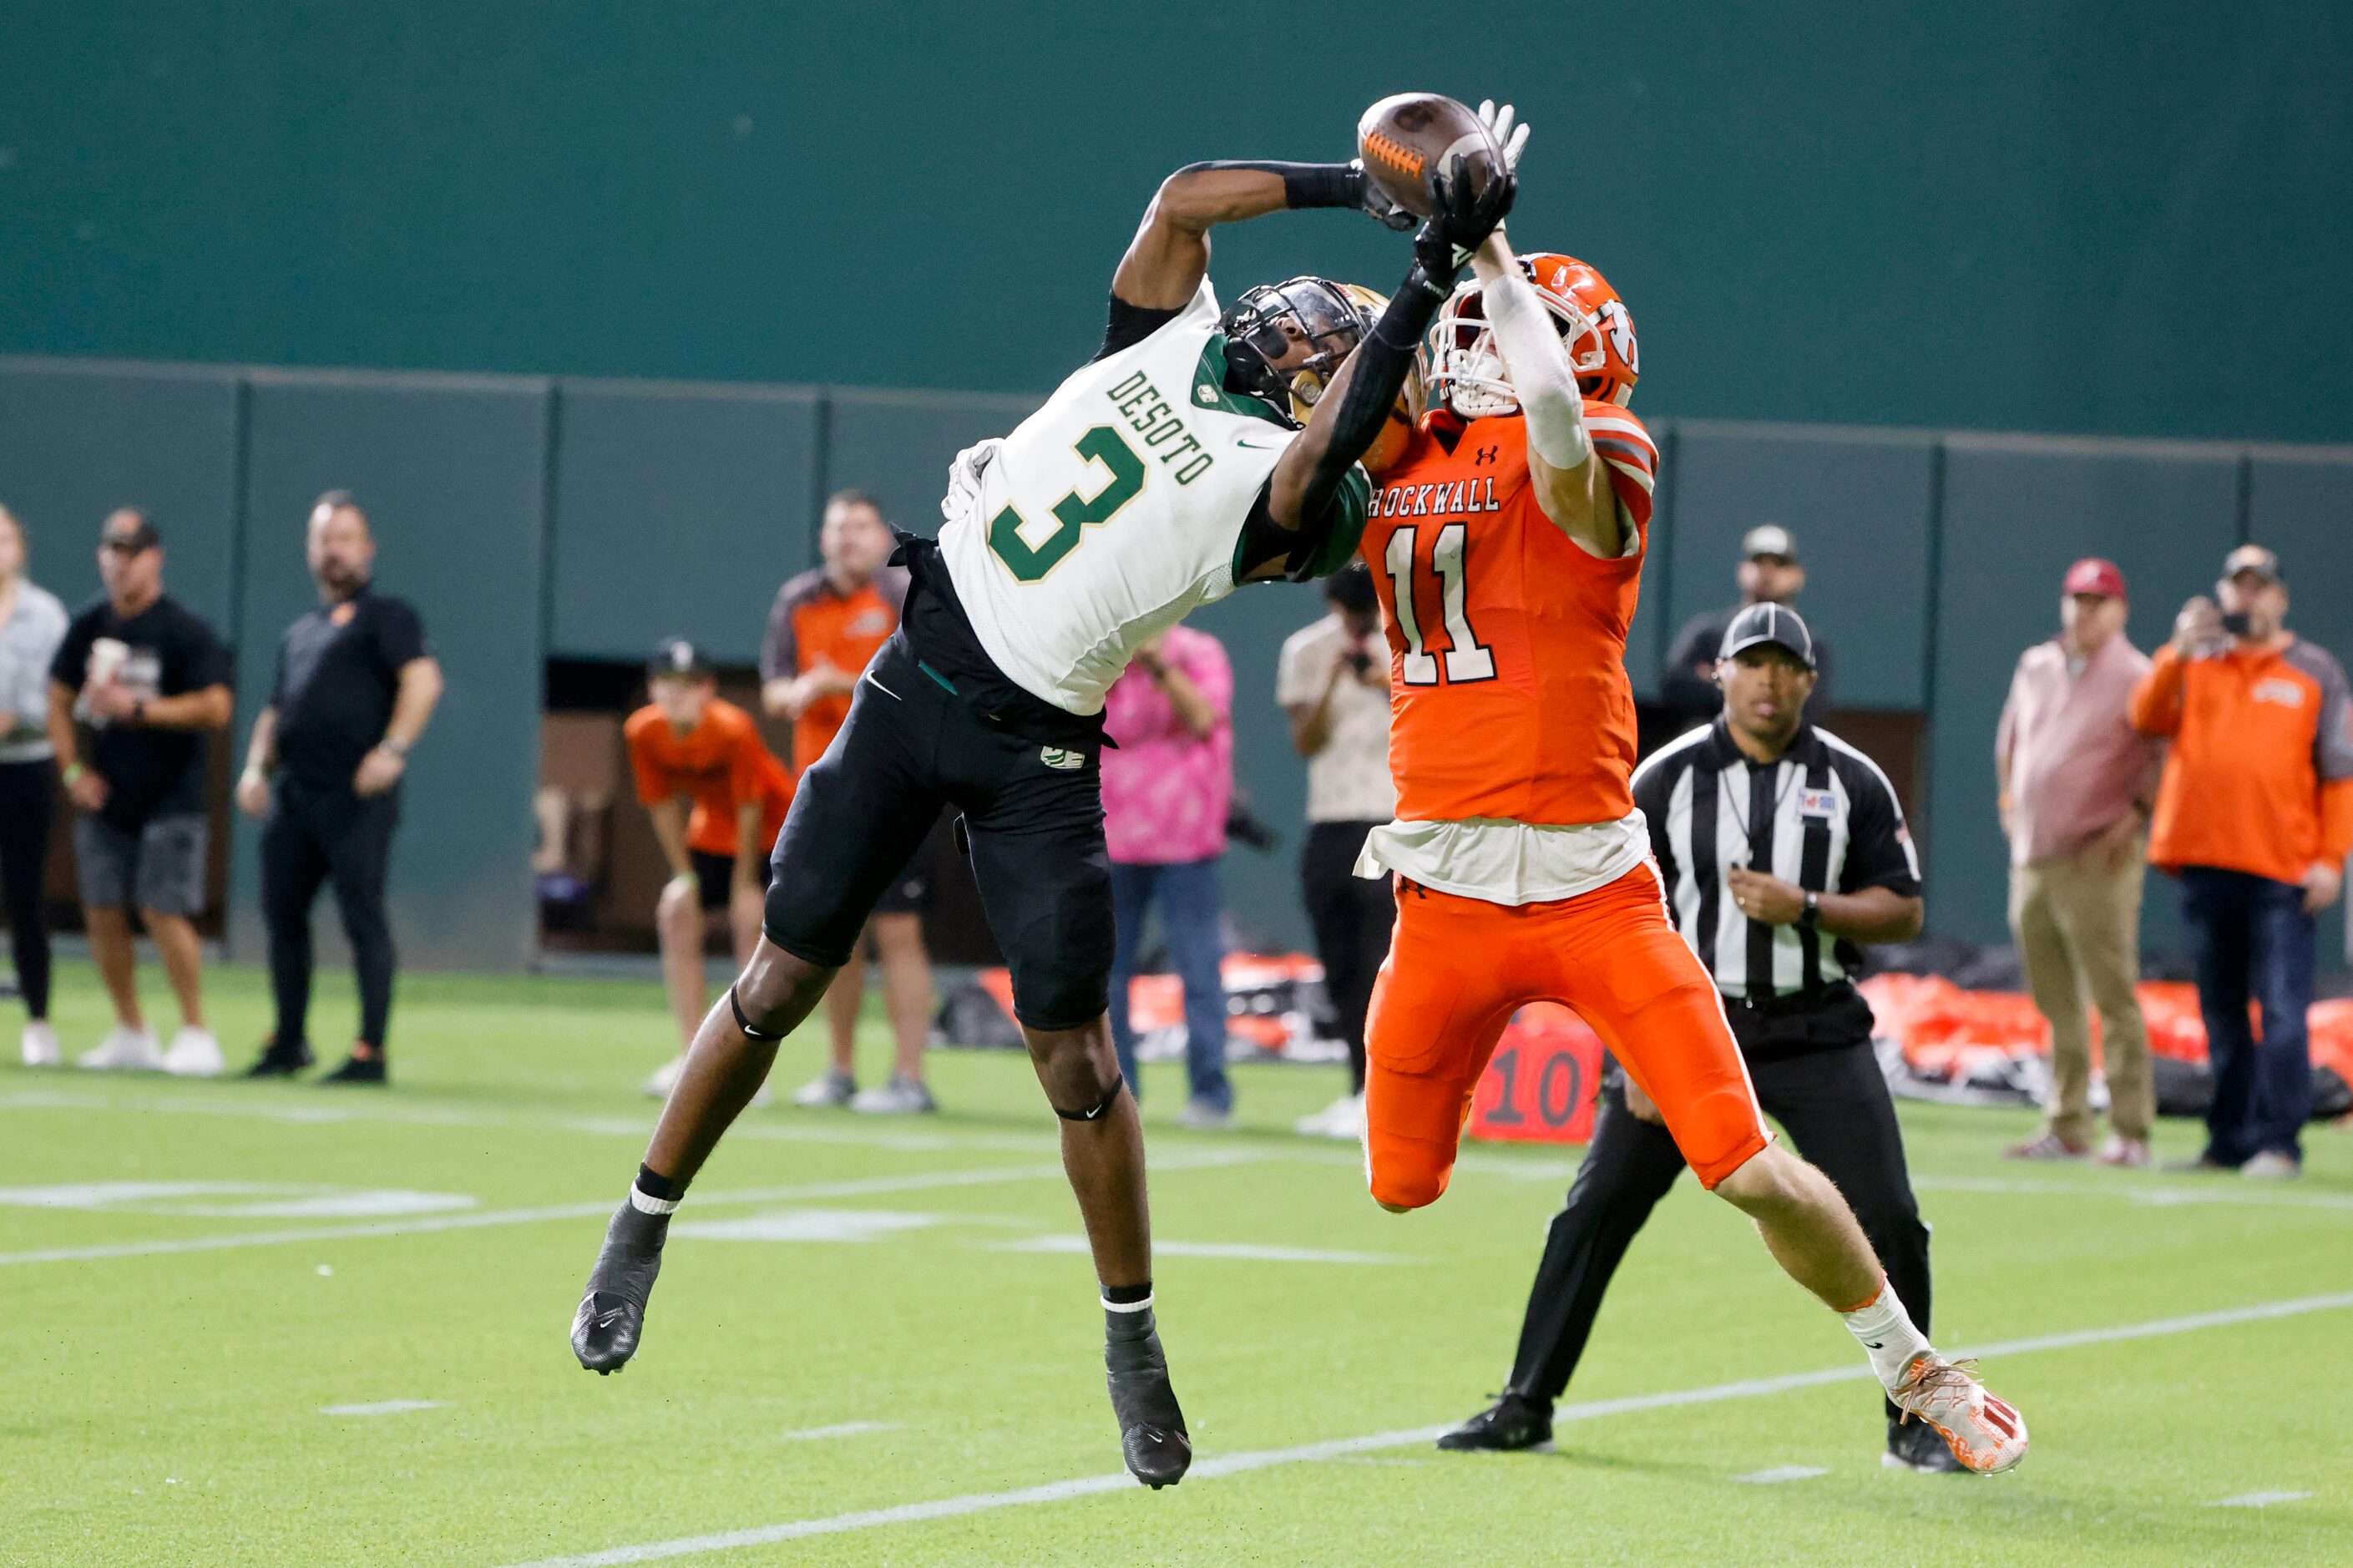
911 748
1352 917
1835 1107
318 836
27 809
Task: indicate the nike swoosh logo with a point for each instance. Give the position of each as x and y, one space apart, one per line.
1260 446
884 689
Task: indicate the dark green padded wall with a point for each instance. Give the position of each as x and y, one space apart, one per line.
896 445
2300 504
2017 511
78 441
678 510
1993 213
1858 503
452 471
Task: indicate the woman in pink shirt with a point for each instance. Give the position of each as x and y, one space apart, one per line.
1165 788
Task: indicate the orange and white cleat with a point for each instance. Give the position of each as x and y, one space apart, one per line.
1986 1434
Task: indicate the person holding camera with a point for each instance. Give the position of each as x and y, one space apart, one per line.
2254 818
1333 680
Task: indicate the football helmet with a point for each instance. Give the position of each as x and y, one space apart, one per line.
1287 341
1465 372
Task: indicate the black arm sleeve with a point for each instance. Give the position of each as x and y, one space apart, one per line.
1130 325
1304 184
1380 365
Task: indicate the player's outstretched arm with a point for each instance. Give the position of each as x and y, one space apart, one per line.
1304 490
1170 253
1572 484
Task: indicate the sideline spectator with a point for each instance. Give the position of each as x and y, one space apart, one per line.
826 626
2256 817
32 624
1333 680
150 681
687 742
355 688
1771 573
2077 781
1165 787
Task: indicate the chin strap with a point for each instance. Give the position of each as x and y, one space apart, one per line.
1098 1111
743 1023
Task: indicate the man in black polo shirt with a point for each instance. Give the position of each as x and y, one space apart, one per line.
356 686
148 681
1780 847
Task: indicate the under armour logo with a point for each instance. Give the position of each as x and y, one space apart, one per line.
1485 455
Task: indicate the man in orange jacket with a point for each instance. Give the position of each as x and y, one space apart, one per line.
2254 817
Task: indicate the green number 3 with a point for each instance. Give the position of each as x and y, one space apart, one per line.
1074 512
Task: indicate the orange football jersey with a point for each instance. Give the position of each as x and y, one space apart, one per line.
720 761
1507 638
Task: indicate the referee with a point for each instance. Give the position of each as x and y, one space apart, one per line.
356 686
1780 847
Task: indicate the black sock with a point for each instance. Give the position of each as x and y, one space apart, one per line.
1126 1295
659 1187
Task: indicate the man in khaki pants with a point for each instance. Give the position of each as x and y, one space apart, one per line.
2077 780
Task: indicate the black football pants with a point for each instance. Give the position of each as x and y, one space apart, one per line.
1835 1107
317 836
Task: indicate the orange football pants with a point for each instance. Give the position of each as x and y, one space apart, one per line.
1458 968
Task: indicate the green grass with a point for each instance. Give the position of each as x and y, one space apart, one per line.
165 1408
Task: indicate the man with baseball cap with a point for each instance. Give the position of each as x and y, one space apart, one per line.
1770 574
688 744
2077 781
1780 847
2254 818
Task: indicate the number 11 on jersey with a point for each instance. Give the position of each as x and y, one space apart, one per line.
1467 659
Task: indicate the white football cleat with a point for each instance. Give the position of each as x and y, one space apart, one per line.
665 1079
1986 1434
194 1053
1344 1117
40 1047
124 1048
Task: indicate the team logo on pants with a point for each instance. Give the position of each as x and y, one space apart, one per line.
1056 757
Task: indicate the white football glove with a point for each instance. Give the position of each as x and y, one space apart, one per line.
964 478
1511 138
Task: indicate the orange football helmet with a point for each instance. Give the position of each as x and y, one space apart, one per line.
1465 372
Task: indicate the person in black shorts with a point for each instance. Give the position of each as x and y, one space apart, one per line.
355 688
1233 491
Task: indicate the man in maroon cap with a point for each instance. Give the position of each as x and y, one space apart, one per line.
2076 782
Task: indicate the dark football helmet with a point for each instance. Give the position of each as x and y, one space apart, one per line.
1284 342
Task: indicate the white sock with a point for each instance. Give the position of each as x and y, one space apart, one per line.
646 1202
1887 1335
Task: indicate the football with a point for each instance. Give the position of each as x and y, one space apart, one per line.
1408 138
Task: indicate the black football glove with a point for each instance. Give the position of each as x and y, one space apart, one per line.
1442 246
1375 200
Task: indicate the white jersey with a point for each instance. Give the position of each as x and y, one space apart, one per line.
1113 512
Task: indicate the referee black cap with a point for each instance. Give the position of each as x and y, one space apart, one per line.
1775 623
676 657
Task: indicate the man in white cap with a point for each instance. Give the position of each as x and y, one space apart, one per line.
1771 573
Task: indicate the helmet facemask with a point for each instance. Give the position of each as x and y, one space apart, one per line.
1286 341
1465 370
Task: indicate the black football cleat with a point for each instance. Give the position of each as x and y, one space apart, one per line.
357 1069
1918 1446
612 1316
1507 1426
1151 1434
278 1060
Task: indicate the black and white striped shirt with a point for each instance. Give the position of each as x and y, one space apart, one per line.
1824 817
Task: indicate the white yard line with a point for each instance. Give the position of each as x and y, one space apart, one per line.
2260 1499
860 1186
1781 1473
383 1407
1345 1448
846 1429
2215 1190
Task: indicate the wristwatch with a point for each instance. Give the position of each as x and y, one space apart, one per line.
1811 916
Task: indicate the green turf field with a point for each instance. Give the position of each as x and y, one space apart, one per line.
885 1349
